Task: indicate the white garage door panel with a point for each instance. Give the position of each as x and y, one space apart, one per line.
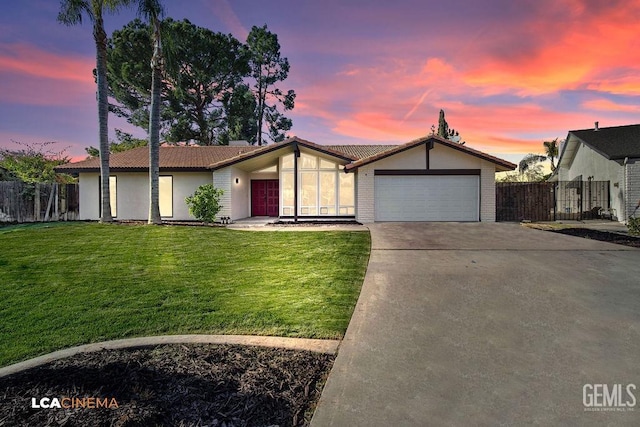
427 198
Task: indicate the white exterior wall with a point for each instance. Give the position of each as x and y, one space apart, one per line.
365 206
240 194
89 196
184 185
415 158
441 157
632 184
487 192
222 180
588 162
235 200
132 194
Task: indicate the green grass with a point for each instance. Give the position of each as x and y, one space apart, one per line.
74 283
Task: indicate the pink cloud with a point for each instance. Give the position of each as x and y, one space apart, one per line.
30 75
223 10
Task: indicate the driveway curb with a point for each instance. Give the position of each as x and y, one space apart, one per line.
315 345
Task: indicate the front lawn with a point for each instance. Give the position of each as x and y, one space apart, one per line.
75 283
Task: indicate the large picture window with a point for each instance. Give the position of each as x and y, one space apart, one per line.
324 189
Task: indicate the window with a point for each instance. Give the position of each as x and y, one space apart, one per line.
347 194
287 191
308 193
166 196
113 195
323 187
327 193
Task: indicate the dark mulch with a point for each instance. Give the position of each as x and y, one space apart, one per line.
604 236
173 385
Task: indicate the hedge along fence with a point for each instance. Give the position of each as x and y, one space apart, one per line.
21 202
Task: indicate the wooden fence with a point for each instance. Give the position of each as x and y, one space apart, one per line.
517 201
551 201
20 202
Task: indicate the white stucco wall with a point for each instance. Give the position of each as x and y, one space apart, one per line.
441 157
89 196
588 162
415 158
132 194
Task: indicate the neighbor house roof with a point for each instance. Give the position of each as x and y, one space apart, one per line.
187 158
614 143
427 140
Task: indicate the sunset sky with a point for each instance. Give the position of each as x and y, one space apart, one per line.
509 74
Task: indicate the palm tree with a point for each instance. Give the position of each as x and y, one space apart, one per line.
551 149
71 12
152 10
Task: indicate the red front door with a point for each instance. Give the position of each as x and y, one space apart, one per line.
265 197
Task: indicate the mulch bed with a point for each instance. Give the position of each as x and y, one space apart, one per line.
172 385
604 236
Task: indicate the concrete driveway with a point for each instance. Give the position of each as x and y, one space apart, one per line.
487 324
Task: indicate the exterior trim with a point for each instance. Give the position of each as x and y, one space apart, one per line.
431 140
295 142
405 172
145 169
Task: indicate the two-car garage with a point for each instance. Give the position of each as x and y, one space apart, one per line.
427 197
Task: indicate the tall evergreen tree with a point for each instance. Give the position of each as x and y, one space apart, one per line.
267 69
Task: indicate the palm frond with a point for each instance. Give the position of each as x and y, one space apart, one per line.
71 11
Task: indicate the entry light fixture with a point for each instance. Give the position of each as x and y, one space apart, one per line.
237 180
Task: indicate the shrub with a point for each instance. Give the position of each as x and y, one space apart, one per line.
633 224
204 204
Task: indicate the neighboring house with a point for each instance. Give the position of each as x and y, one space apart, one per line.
605 154
428 179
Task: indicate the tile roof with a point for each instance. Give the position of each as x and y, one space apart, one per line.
361 151
613 143
171 157
215 157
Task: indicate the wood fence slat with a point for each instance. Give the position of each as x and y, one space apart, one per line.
20 202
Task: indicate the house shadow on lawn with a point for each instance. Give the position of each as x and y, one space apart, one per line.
196 384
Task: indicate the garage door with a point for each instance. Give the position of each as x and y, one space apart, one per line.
427 198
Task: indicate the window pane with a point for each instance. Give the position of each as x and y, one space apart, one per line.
347 190
308 162
326 164
327 193
286 186
287 161
166 195
308 193
113 195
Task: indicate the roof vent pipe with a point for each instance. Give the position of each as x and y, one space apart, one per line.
596 128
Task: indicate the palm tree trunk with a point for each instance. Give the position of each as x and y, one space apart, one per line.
103 115
154 127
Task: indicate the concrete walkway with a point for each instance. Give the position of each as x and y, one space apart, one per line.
319 346
486 324
264 223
